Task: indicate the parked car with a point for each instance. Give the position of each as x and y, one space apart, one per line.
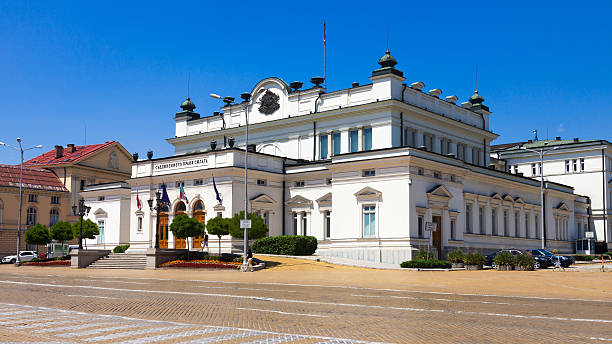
565 260
24 256
492 256
42 256
542 261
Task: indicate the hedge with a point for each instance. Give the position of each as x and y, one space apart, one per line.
121 248
290 245
426 264
583 257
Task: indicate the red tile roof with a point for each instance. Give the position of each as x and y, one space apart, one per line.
33 178
68 157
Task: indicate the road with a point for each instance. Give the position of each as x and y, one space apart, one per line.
305 302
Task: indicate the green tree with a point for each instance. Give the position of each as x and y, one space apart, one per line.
62 231
90 230
183 227
218 226
258 226
37 235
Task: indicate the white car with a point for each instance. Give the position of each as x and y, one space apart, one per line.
24 256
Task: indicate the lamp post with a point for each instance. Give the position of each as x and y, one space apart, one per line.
246 97
21 150
541 152
157 209
80 211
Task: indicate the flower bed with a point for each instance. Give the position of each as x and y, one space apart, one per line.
197 264
49 263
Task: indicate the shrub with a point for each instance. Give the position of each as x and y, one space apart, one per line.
291 245
525 261
426 264
423 255
37 235
474 258
258 226
121 248
455 256
504 258
62 231
583 257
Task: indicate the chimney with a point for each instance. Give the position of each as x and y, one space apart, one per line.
576 139
530 141
71 148
355 84
436 92
558 138
59 151
417 85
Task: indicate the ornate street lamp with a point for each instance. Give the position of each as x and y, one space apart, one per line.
21 150
80 211
157 208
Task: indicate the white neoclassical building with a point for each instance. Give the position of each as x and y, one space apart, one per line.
364 169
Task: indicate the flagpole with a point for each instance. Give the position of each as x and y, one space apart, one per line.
324 55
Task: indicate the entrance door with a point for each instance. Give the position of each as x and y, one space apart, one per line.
436 241
162 231
197 241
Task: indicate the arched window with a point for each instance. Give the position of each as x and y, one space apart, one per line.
199 206
163 208
31 216
180 208
53 216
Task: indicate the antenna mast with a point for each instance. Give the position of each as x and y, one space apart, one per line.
324 54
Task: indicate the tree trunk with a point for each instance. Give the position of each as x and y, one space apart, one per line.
187 244
219 245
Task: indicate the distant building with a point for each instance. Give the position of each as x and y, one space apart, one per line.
45 201
585 165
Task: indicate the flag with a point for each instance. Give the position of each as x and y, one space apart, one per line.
324 34
165 199
138 201
182 194
217 192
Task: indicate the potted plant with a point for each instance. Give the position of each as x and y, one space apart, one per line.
456 257
474 261
504 261
525 262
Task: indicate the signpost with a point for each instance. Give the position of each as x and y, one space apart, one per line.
245 224
430 227
589 235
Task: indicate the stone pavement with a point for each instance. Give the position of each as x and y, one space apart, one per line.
299 301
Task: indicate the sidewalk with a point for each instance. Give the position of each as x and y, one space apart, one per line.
340 261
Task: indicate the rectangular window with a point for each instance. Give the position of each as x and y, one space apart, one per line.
100 198
481 220
354 140
540 168
299 184
304 223
494 221
460 152
567 166
369 220
198 182
527 225
262 182
32 198
139 223
437 175
369 173
323 145
420 172
533 169
428 142
575 165
328 224
468 218
367 139
443 147
409 138
420 227
219 214
515 169
581 164
336 142
295 223
100 237
54 199
506 229
452 230
516 225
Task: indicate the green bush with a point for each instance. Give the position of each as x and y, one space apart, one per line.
426 264
583 257
504 258
474 258
423 255
290 245
121 248
455 256
525 261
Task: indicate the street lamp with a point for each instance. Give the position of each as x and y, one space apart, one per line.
80 211
541 152
21 150
157 208
246 97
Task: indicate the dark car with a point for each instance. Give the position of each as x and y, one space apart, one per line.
565 261
492 256
542 261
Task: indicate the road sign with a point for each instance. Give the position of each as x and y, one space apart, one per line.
589 235
430 226
245 223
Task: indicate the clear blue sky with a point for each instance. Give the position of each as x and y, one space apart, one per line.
120 67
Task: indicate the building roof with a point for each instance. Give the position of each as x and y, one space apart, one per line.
33 178
543 143
67 157
506 145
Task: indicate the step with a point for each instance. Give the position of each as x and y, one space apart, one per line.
121 261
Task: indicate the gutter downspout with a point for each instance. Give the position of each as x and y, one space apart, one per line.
283 197
314 140
603 189
402 118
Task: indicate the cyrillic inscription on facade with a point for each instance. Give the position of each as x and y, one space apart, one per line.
179 164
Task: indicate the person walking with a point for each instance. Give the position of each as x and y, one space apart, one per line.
249 265
205 242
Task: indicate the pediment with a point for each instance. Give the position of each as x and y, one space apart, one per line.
440 191
508 198
299 201
325 200
263 198
368 193
519 200
100 213
497 196
563 206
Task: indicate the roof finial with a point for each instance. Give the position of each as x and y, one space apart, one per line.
188 82
388 52
476 89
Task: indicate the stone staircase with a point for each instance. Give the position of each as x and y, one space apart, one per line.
120 261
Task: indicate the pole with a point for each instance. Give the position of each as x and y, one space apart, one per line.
324 55
18 260
246 154
542 212
157 225
81 213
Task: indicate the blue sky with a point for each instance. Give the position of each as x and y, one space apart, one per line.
120 67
